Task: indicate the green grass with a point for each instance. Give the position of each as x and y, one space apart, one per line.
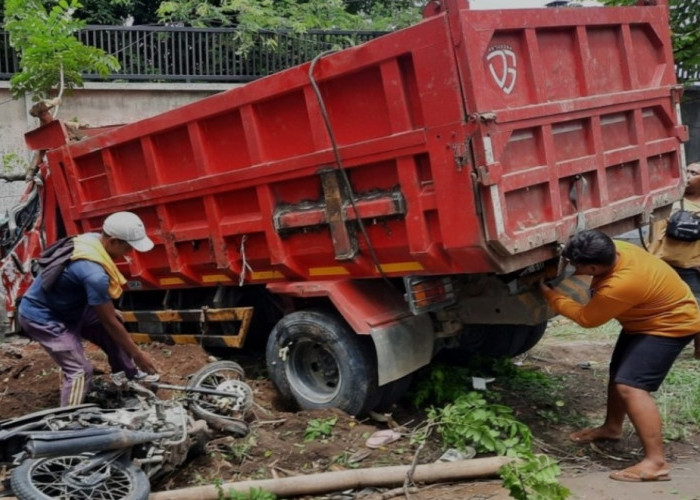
565 330
678 398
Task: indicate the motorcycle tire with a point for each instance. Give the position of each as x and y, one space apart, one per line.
47 478
225 376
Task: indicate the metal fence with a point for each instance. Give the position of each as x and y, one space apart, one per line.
167 53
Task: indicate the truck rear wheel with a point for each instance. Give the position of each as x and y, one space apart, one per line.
315 359
498 340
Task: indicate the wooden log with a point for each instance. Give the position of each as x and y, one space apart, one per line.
348 479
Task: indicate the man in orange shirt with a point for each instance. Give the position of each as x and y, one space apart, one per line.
659 317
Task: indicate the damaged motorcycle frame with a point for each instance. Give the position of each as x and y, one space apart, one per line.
93 452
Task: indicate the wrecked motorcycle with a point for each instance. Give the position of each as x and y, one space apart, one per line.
93 452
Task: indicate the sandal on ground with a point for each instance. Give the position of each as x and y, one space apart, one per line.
635 475
381 438
586 436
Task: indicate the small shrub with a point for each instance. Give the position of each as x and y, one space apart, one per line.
319 428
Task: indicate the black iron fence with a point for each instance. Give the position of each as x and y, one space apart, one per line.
167 53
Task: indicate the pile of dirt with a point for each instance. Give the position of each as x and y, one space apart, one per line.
276 445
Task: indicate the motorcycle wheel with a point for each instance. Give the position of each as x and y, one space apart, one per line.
224 376
49 478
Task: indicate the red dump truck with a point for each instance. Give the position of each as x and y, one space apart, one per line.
366 209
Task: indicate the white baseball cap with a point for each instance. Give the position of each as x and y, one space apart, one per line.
128 227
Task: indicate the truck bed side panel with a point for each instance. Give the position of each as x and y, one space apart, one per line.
471 142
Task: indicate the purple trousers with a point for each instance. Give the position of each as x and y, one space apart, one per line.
64 344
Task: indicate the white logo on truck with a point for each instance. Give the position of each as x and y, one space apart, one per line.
503 66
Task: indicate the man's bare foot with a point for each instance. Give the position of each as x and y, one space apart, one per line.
586 436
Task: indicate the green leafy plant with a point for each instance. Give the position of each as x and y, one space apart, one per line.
238 452
533 477
50 56
492 428
471 420
252 494
439 384
13 167
319 428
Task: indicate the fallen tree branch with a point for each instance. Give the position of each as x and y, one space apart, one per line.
347 479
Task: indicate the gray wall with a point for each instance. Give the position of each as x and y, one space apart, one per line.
97 104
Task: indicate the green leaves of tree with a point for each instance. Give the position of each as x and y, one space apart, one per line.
297 15
470 420
533 479
50 55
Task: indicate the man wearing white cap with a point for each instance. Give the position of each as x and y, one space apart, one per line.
71 299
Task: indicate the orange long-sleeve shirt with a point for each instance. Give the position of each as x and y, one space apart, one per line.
641 291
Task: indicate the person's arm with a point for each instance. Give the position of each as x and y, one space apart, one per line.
109 319
598 311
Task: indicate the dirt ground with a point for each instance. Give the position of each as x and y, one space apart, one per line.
276 446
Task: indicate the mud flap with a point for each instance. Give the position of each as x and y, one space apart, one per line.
403 347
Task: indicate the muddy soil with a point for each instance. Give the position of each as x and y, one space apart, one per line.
276 446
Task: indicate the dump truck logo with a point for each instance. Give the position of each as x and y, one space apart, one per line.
503 66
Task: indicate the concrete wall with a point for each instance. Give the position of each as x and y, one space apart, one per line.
96 105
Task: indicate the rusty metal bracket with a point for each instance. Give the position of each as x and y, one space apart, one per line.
334 193
339 213
489 174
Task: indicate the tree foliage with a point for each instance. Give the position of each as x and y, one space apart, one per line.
297 15
251 16
116 12
50 56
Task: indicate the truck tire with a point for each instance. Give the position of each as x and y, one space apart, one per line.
391 393
45 478
497 340
316 360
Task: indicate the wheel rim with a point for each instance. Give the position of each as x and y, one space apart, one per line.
313 372
224 380
53 478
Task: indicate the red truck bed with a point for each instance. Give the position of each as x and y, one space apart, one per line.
472 141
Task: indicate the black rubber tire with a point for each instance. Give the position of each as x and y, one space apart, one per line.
391 393
218 366
316 360
31 480
216 376
497 340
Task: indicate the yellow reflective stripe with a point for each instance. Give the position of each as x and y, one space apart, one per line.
184 339
216 278
397 267
140 338
171 281
328 271
266 275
